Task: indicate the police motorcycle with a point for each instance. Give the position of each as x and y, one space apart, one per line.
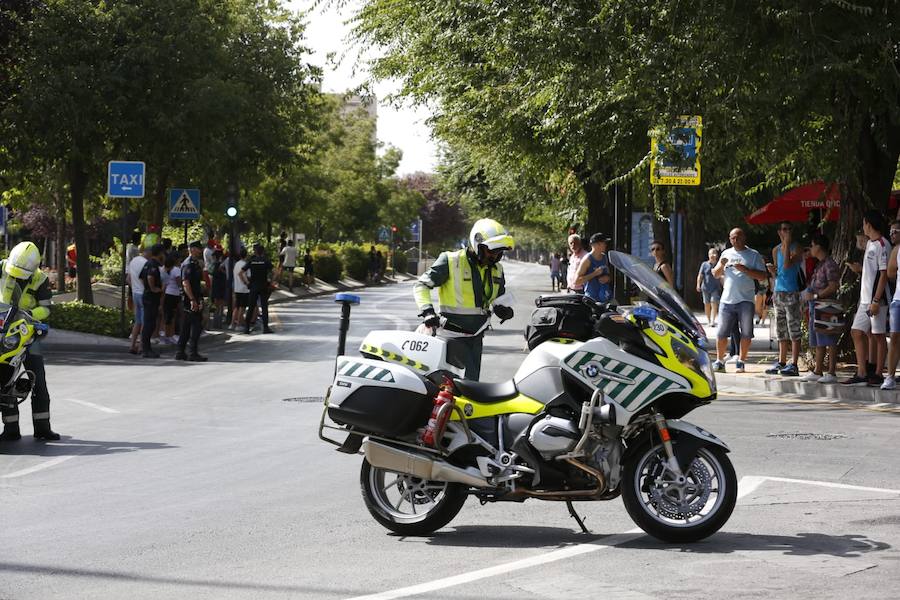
594 412
18 330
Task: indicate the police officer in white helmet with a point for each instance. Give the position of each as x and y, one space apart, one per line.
21 276
470 284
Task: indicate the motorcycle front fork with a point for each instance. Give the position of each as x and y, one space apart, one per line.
666 437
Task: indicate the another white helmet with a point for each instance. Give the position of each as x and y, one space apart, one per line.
23 260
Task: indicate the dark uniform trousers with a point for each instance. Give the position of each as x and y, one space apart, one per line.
467 351
263 296
151 320
191 325
40 396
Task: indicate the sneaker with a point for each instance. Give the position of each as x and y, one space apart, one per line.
828 378
889 384
776 368
739 367
855 380
812 377
718 366
790 370
874 380
731 359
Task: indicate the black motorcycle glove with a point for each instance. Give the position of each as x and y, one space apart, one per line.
430 319
504 313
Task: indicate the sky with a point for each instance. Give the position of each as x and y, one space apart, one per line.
402 127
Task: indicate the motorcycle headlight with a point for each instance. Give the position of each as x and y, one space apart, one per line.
694 360
11 340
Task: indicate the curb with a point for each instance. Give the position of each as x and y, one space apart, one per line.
862 395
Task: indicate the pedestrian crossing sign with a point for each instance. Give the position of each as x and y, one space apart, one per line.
184 204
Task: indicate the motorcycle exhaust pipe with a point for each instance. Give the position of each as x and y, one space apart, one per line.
403 461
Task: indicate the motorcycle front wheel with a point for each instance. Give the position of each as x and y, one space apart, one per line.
679 511
409 505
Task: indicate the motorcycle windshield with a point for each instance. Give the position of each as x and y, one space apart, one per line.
658 291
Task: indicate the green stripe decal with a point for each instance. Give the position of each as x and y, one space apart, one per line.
352 368
639 389
365 372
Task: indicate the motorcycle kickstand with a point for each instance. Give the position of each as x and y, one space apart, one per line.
575 516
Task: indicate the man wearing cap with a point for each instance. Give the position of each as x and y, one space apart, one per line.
593 271
192 321
260 269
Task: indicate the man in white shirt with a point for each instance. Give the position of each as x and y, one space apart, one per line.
133 276
869 323
740 266
289 253
578 254
241 291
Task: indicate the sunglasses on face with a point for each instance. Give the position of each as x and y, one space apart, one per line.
655 249
893 231
785 228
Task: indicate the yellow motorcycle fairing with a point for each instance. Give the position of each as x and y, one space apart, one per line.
477 410
25 331
673 361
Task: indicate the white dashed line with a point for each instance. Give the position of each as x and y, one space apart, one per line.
44 465
92 405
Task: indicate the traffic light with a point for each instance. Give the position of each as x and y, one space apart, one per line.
232 197
394 228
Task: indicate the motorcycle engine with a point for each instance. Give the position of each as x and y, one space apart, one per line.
553 436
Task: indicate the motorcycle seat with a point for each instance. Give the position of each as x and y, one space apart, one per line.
486 393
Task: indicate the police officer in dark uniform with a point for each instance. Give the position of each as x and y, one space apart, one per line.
192 300
260 269
152 279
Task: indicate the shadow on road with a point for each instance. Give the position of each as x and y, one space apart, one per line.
137 578
514 536
69 446
801 544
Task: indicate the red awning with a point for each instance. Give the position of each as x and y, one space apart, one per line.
796 204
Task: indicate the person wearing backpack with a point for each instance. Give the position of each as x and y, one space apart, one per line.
787 259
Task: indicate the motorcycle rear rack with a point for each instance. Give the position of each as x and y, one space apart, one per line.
439 452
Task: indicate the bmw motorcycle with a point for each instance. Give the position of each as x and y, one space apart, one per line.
593 413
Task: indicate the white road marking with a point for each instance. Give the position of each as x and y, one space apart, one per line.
44 465
746 486
92 405
830 484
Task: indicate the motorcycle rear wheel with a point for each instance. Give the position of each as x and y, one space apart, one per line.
679 513
409 505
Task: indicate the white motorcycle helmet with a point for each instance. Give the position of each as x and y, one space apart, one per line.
487 238
23 261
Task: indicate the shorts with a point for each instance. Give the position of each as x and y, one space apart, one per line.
740 313
787 316
818 339
170 307
555 275
241 298
712 297
863 322
895 317
138 308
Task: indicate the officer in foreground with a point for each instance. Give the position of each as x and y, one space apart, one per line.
469 281
20 275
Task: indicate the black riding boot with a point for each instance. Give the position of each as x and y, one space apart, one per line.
10 433
42 431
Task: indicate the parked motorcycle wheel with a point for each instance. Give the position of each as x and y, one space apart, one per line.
679 512
410 505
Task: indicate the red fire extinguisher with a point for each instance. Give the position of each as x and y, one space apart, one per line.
443 397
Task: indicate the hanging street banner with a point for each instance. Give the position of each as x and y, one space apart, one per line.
675 160
184 204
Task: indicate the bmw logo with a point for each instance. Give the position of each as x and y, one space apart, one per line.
468 410
592 370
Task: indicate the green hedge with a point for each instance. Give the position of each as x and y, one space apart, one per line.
355 261
401 262
327 265
87 318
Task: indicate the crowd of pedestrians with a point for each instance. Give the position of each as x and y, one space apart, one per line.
176 292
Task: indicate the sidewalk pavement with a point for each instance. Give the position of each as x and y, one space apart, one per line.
109 296
764 352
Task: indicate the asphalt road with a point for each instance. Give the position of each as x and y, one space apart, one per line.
180 480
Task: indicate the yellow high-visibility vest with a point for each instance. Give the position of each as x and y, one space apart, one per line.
28 300
457 294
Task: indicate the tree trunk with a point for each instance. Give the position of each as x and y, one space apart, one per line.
60 242
600 207
78 180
